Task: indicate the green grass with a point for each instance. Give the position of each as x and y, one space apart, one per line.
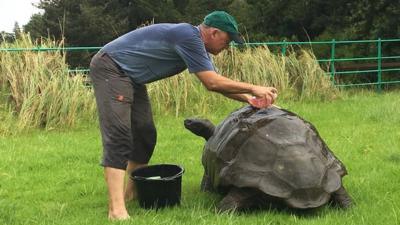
53 177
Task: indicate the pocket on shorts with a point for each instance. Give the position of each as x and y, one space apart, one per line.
121 89
121 98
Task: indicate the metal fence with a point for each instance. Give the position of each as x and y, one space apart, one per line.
333 59
378 67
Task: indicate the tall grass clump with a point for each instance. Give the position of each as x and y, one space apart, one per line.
37 90
297 76
182 94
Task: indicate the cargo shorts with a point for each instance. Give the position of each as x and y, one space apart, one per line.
125 116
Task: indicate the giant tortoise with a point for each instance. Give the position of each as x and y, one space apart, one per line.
259 156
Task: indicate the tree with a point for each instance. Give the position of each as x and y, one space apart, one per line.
17 30
6 37
293 19
96 22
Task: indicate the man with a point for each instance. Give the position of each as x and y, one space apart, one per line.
120 71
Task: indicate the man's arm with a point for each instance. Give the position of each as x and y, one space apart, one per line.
239 97
234 89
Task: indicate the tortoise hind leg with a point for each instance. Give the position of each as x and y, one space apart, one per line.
341 198
238 199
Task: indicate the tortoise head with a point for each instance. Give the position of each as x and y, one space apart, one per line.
200 127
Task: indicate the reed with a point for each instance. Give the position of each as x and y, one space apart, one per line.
37 91
297 76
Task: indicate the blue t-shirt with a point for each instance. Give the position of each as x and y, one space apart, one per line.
158 51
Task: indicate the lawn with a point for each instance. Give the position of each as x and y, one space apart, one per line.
54 177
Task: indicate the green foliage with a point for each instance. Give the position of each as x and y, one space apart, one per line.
93 22
291 19
373 20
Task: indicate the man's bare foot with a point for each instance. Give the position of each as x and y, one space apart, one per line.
118 215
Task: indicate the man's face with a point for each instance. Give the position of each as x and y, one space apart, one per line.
219 41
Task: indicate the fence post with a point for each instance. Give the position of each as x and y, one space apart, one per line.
333 61
379 65
284 45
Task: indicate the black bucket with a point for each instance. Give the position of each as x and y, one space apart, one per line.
158 186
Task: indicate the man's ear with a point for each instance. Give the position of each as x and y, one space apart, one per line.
214 32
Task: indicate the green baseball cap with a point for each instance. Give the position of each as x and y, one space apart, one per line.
225 22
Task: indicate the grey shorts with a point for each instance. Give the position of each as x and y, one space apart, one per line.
125 117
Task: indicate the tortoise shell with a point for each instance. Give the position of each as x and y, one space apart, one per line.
275 151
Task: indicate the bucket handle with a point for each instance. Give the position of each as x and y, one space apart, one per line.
165 178
175 176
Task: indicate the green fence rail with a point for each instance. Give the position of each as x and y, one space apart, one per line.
333 72
334 59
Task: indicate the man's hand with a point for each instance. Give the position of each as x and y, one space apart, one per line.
263 96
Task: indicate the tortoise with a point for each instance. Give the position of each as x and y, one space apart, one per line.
256 157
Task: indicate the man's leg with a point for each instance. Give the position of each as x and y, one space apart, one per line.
115 183
144 136
114 96
130 190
